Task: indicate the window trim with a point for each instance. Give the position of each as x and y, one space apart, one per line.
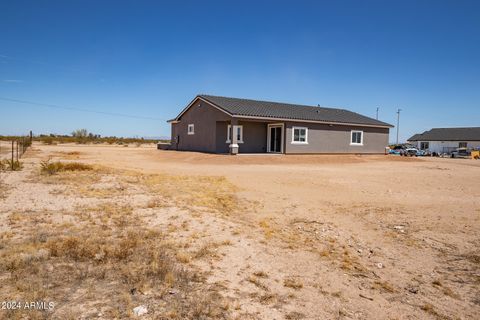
293 135
351 138
228 133
191 125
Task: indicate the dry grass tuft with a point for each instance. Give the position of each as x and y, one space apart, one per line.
292 283
294 315
70 155
254 280
430 309
267 229
210 249
260 274
12 165
383 286
50 168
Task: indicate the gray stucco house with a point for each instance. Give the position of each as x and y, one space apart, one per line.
231 125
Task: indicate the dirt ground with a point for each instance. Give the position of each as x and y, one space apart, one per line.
273 236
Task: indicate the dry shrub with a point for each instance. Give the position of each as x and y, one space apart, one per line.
13 165
50 168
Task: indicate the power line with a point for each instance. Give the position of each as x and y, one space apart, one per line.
80 109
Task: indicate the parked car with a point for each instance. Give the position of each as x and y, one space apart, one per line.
412 152
397 150
422 153
460 153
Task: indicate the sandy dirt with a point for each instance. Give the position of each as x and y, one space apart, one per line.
314 237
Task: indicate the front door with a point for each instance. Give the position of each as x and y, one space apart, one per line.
275 138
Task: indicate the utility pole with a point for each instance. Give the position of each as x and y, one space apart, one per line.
398 121
377 113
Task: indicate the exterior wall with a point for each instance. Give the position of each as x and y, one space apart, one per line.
204 117
221 137
324 138
254 137
447 146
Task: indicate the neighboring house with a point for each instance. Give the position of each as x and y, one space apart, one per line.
230 125
446 140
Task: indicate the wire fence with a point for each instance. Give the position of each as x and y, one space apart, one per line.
12 150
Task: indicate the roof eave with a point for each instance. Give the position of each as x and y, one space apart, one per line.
387 125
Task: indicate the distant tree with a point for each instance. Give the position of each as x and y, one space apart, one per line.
80 133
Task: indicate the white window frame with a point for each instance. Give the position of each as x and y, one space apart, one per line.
191 132
293 135
351 138
228 134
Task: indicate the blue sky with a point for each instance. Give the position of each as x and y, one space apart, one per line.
150 58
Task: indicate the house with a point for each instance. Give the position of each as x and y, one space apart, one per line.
446 140
231 125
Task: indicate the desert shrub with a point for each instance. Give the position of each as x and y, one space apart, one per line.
11 165
48 140
48 167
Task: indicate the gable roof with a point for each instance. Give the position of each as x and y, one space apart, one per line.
248 108
415 137
448 134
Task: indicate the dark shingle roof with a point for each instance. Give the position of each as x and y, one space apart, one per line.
415 137
268 109
449 134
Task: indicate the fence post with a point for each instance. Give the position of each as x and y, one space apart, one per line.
17 150
11 164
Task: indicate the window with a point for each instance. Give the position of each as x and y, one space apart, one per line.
239 134
356 138
462 144
424 145
191 129
300 135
